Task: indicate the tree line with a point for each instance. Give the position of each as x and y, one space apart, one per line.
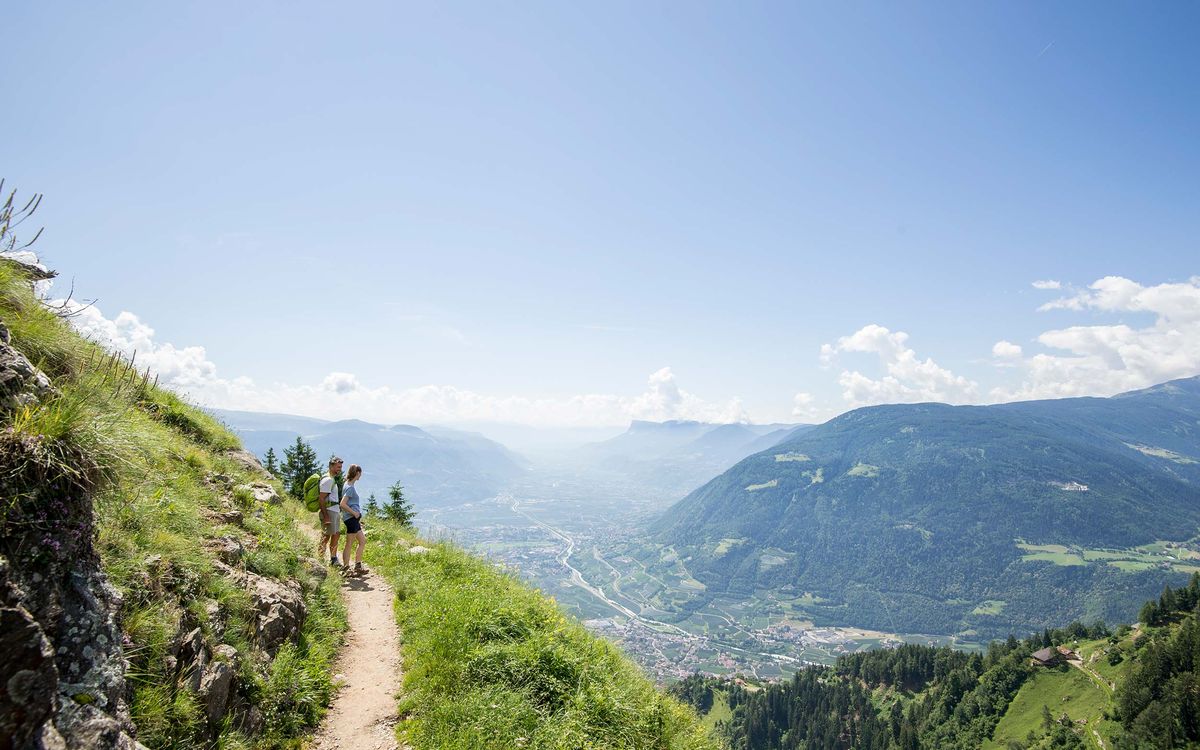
300 462
940 698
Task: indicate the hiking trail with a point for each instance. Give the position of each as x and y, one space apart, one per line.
362 715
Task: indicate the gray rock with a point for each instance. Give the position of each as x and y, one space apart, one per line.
265 493
21 384
28 677
247 460
192 658
231 516
218 683
228 549
419 550
280 611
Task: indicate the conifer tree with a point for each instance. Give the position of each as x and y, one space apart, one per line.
372 510
399 508
299 462
271 463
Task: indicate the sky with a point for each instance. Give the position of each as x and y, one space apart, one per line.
568 214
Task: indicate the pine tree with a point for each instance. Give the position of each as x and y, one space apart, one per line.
372 510
399 509
299 462
270 463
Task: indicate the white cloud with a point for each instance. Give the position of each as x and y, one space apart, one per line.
1006 350
907 378
1100 360
340 382
805 408
1047 284
340 394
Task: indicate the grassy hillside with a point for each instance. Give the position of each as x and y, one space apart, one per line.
192 533
1135 689
490 663
177 525
975 520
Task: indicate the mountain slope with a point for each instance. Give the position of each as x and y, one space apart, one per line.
908 517
1076 687
436 466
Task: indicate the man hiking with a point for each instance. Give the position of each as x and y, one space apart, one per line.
331 516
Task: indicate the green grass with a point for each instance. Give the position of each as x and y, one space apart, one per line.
139 462
990 607
763 486
863 470
1068 692
1052 548
490 663
1058 558
1132 566
720 711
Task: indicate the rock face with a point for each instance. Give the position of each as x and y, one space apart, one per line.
62 662
62 670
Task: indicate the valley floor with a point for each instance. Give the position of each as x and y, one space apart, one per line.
573 541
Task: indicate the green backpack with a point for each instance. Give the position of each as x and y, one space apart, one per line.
312 493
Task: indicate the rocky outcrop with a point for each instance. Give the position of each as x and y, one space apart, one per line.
62 655
21 383
278 605
62 670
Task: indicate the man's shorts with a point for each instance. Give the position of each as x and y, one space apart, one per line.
331 522
353 526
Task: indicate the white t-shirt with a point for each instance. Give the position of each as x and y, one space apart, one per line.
330 486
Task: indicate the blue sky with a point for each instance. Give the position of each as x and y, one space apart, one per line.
487 212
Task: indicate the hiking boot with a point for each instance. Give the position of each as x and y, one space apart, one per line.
359 570
334 562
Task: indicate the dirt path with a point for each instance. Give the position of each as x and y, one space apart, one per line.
362 715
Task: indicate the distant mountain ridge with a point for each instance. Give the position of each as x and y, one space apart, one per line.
436 465
676 456
908 517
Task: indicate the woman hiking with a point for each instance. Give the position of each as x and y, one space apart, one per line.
352 513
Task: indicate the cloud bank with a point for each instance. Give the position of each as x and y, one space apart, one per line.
1079 360
908 378
1101 360
340 394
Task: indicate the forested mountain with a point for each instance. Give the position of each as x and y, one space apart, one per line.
435 465
944 519
675 457
1136 689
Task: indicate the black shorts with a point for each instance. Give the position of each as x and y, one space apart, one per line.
352 525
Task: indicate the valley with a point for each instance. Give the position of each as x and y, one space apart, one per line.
584 548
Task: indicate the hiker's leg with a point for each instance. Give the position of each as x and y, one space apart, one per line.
361 538
346 550
333 545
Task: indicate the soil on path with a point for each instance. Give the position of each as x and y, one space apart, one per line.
362 715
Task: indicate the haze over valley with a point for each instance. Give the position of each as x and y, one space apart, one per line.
757 548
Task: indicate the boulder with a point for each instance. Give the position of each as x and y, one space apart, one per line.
247 460
280 611
231 516
265 493
228 549
216 687
21 383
